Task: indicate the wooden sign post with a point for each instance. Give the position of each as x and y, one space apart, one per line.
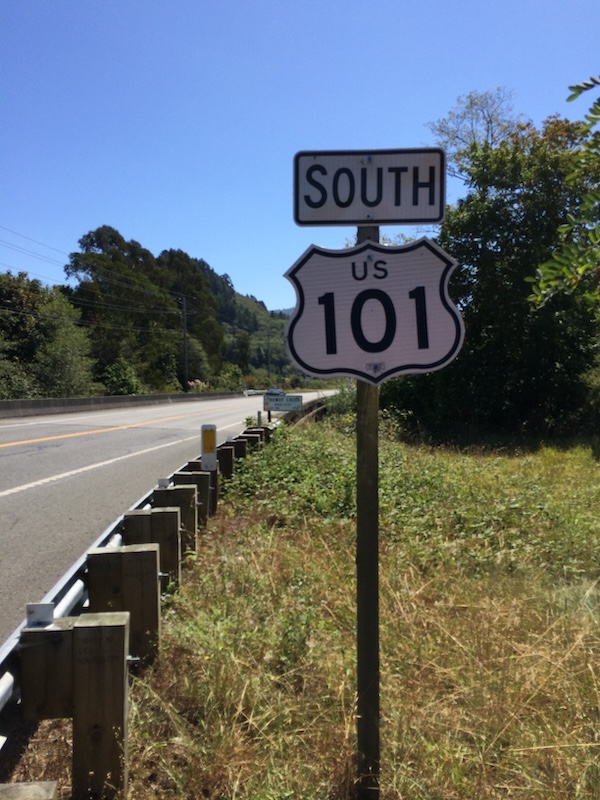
367 577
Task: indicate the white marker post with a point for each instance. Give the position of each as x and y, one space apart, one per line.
209 448
209 463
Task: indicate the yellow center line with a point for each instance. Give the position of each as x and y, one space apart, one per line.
95 430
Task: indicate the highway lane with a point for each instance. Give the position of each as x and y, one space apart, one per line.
65 478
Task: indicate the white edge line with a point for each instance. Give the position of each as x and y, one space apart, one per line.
89 467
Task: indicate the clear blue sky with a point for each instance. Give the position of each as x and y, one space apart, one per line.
176 121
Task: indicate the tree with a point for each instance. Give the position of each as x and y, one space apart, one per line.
144 309
61 363
517 371
231 378
140 308
187 276
575 265
123 300
16 380
242 347
478 118
198 366
120 379
43 350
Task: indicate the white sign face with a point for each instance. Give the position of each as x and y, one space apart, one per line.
372 312
283 402
369 187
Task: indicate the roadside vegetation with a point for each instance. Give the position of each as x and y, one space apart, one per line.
490 637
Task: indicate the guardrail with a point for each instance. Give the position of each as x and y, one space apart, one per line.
70 595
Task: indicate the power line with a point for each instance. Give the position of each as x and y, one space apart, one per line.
17 270
128 309
35 241
105 272
150 291
69 255
102 304
24 250
78 323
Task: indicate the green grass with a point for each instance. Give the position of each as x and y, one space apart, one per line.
490 636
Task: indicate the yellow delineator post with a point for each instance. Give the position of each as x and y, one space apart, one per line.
209 447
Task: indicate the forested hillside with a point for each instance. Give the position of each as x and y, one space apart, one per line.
129 322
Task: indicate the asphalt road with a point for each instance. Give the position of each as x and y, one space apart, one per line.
65 478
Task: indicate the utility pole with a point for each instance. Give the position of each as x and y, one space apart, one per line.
186 386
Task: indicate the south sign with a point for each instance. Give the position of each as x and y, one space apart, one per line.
369 187
372 312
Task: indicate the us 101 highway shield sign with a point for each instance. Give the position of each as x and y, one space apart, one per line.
372 312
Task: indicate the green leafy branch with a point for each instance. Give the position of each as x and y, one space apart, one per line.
575 266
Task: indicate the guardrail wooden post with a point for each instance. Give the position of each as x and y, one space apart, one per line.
137 527
126 579
268 432
214 491
201 480
208 490
100 699
186 498
263 431
209 504
77 667
226 459
43 790
46 656
166 532
241 447
253 439
162 527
